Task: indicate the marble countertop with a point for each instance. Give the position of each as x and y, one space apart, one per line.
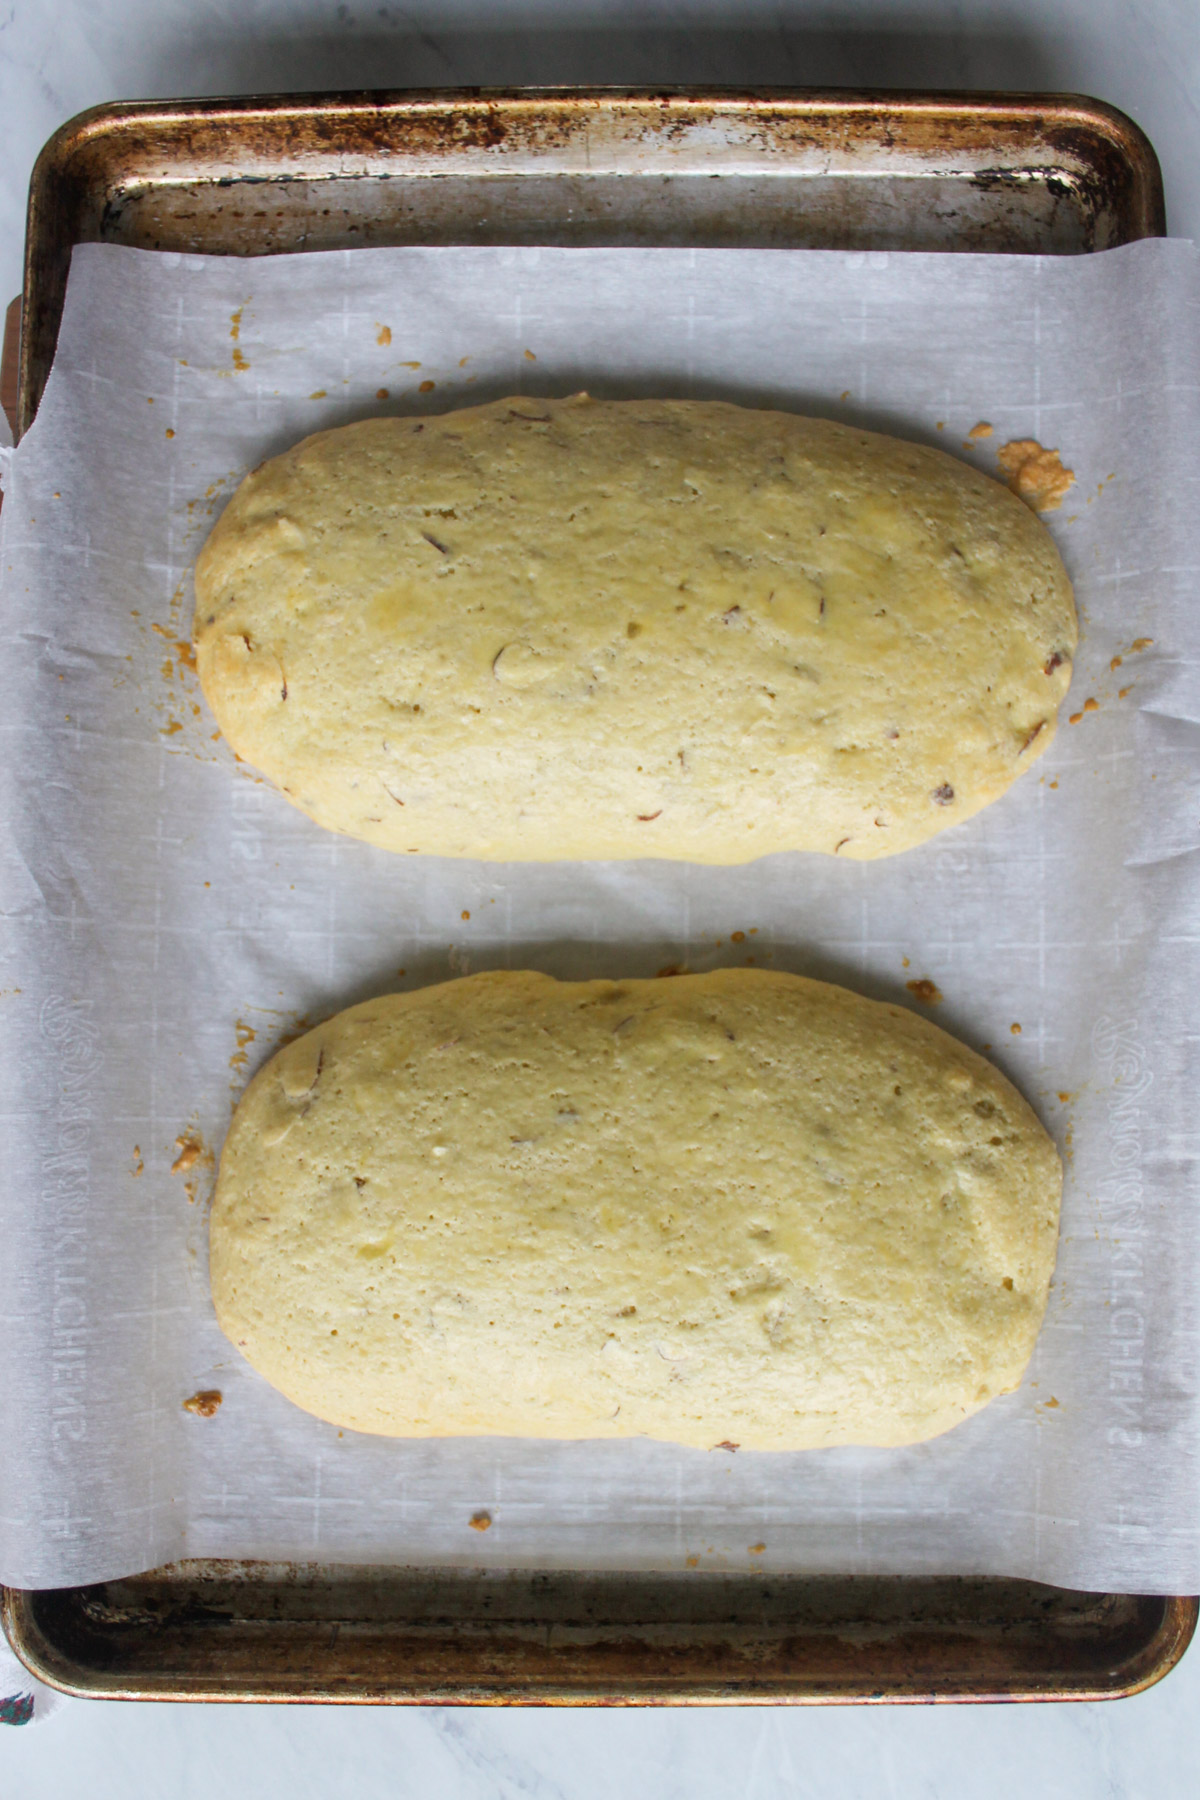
59 56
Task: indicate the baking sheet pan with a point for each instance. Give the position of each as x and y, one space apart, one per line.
830 171
264 1631
1056 174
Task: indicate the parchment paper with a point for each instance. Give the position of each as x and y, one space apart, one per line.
167 919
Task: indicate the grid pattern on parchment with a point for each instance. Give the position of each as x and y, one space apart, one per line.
181 913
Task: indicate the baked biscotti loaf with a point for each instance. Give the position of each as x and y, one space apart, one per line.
591 629
739 1207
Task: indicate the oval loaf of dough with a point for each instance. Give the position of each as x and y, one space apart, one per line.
545 629
740 1207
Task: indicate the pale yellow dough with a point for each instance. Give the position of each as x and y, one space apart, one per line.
577 628
739 1208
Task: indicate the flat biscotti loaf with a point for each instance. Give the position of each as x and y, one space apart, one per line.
738 1207
546 629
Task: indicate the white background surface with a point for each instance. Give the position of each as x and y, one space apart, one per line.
57 56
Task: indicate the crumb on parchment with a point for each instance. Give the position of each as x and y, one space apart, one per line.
205 1403
191 1150
1035 474
926 991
